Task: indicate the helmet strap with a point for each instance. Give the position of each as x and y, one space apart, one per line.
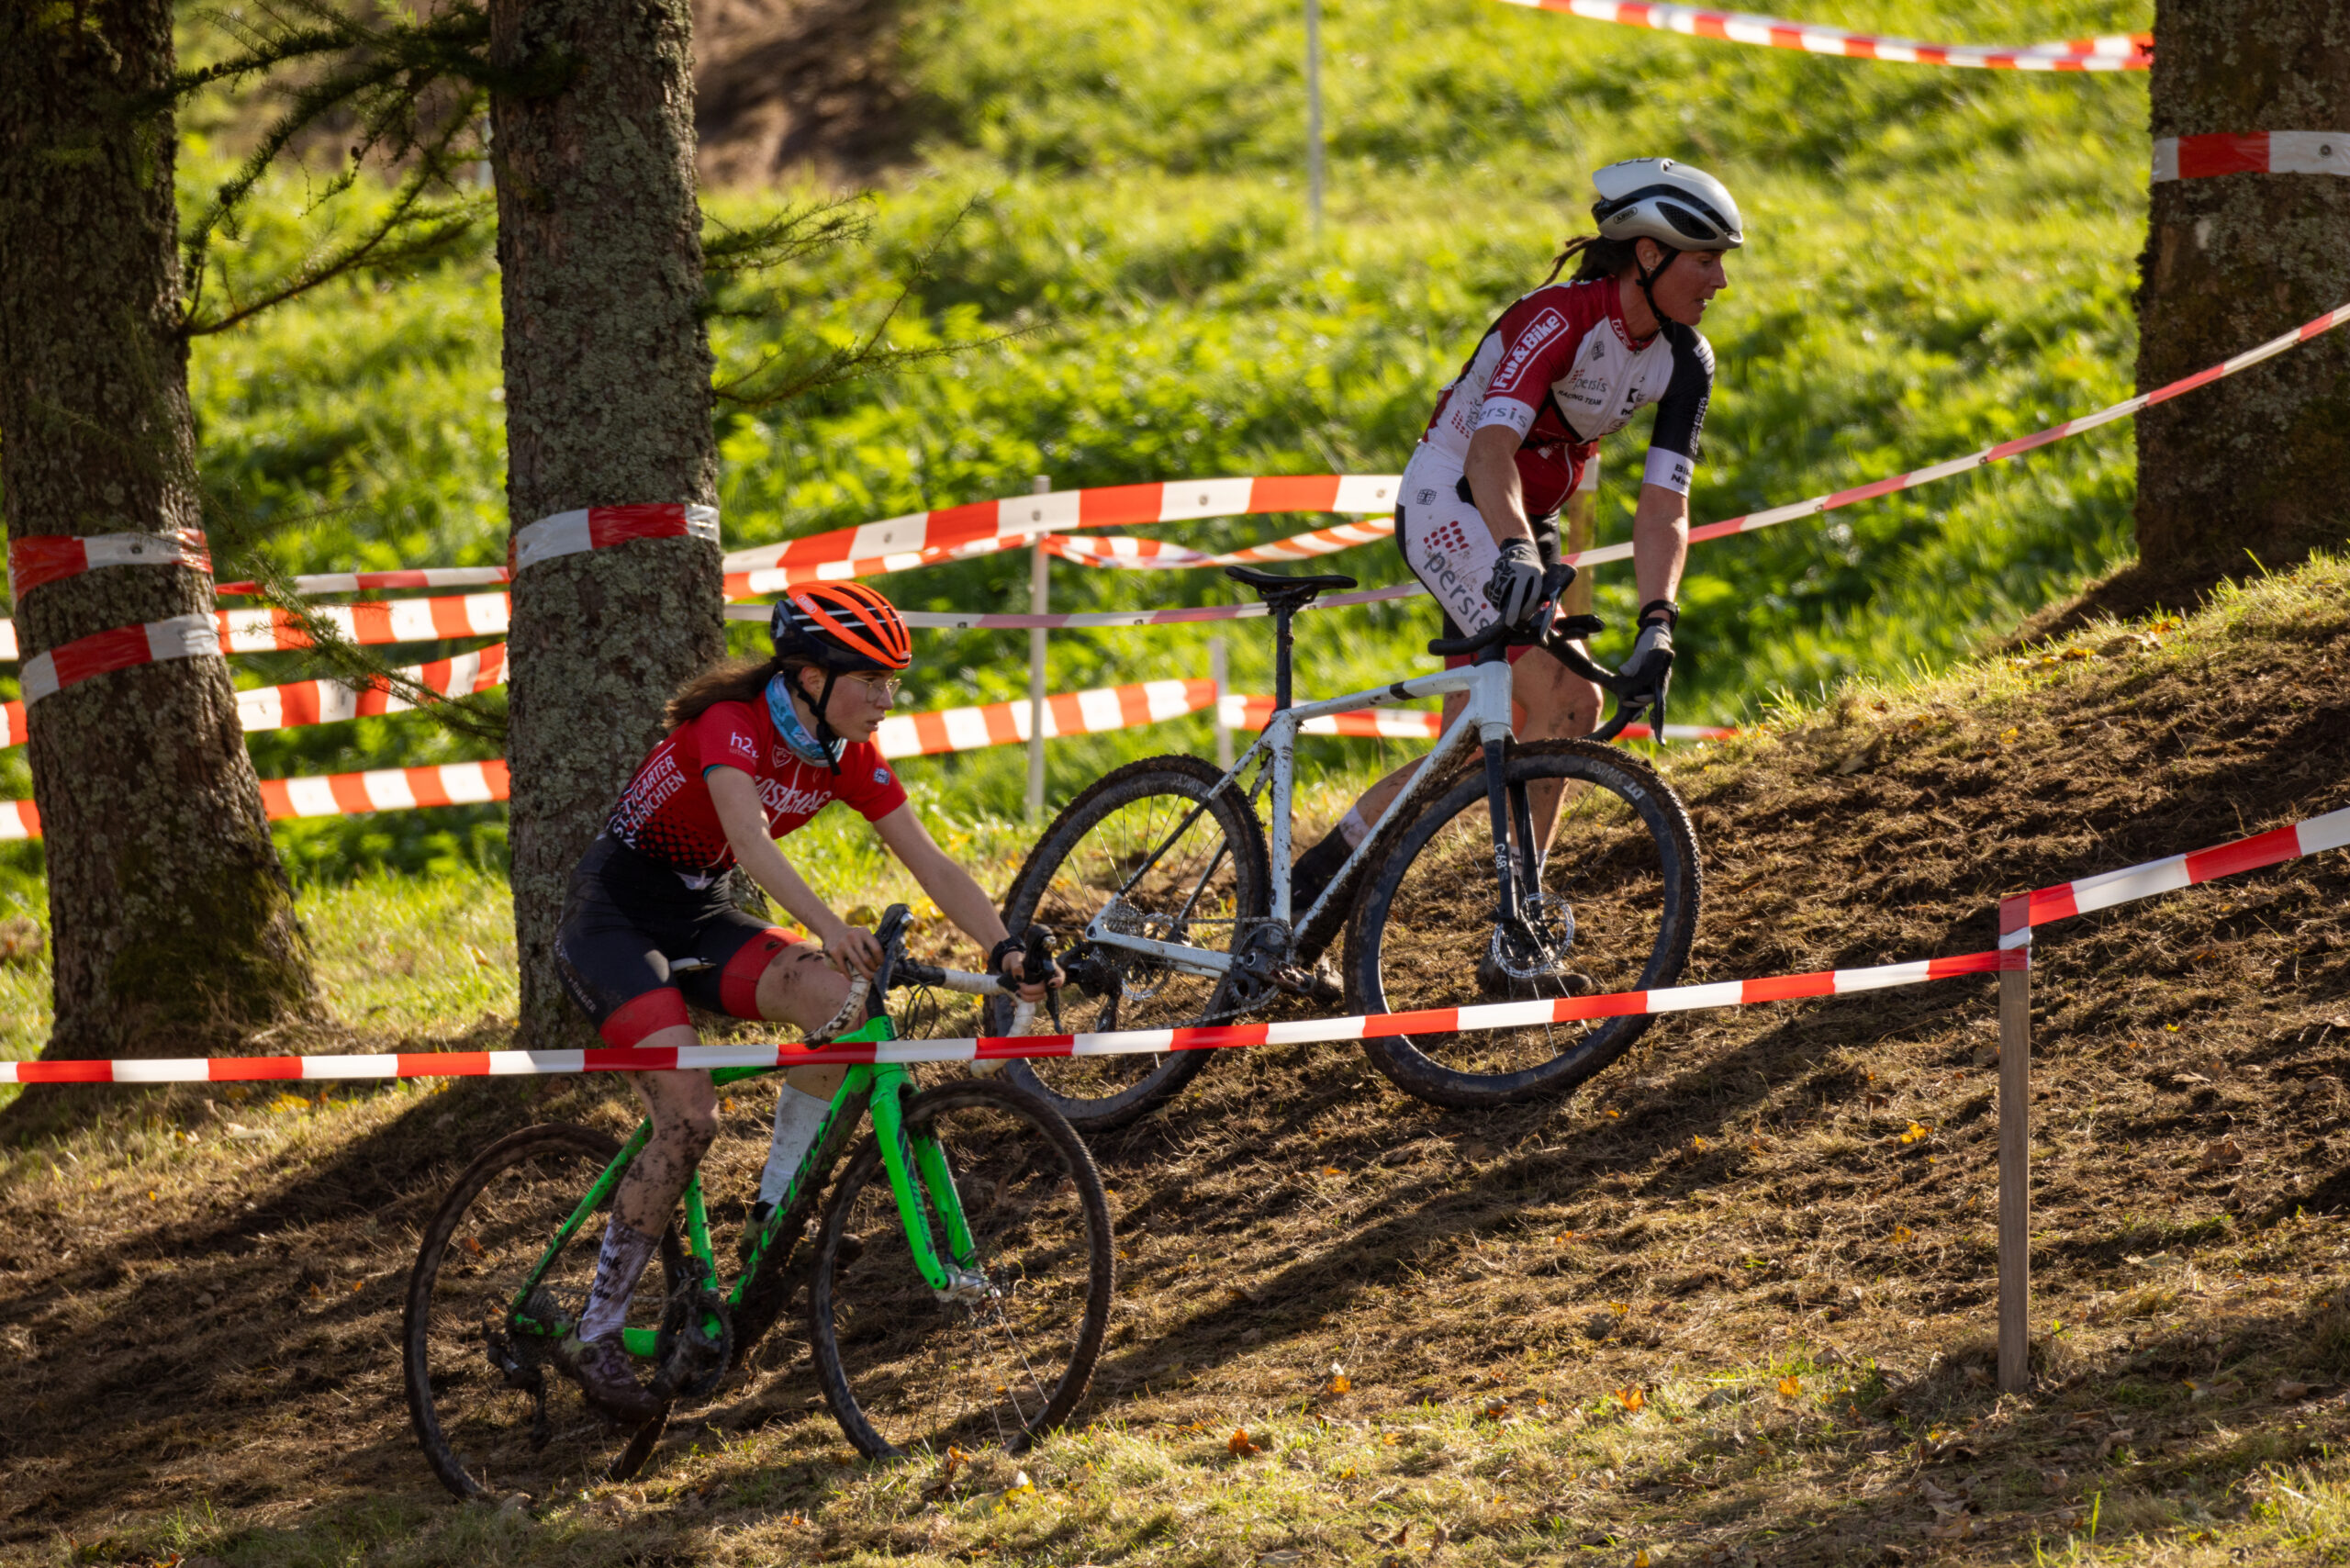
825 736
1647 275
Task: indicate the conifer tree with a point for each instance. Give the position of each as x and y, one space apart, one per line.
607 403
2251 467
172 923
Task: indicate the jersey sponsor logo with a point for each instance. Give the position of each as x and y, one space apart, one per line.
783 799
661 779
881 776
744 744
1538 331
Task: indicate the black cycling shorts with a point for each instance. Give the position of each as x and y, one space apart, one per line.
627 917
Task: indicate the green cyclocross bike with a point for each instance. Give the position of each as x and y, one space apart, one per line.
972 1313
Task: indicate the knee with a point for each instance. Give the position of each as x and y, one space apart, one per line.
689 1130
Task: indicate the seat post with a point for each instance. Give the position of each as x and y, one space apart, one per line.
1282 610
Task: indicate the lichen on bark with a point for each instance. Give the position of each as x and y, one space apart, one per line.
2249 468
172 923
608 401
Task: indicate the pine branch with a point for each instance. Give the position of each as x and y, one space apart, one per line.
430 234
233 533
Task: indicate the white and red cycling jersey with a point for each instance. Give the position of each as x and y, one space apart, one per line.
1562 370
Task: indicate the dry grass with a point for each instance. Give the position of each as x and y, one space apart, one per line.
1770 1230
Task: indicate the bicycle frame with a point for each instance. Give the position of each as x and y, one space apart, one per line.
1484 722
915 1165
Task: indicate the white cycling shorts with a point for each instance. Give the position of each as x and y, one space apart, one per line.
1446 543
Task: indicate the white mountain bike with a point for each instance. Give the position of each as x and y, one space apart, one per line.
1178 915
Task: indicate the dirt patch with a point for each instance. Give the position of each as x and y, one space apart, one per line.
790 87
1803 1191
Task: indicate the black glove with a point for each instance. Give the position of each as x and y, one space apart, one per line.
1648 674
1516 586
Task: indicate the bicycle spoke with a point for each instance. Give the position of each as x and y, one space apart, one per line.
918 1371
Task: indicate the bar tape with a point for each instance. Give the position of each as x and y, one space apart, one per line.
1130 1042
601 528
2019 912
337 794
1022 518
2130 51
1244 712
53 557
2252 152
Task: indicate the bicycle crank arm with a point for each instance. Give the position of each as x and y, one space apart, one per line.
1174 955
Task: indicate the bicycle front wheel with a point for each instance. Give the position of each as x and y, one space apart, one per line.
494 1413
1008 1359
1153 849
1617 910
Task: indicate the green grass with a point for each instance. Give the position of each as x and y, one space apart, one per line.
1939 259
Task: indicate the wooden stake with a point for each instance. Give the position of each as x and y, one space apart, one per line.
2015 1152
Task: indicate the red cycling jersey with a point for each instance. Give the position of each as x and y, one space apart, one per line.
666 814
1562 370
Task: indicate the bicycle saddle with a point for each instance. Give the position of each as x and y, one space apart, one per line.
1274 586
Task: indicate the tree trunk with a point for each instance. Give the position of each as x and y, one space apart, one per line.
2254 464
171 922
607 403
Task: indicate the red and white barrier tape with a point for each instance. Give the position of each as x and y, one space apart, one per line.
1124 549
1131 1042
394 621
1244 712
331 701
2252 152
2133 51
2019 912
306 702
124 647
601 528
53 557
337 794
1023 518
369 582
1069 713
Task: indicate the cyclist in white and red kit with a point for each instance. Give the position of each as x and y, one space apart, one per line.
1563 366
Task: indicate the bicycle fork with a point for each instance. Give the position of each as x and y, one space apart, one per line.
1513 819
925 1187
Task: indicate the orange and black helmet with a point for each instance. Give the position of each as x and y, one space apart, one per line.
840 627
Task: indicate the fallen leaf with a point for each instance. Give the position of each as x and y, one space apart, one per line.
1631 1399
1960 1527
1496 1408
2117 1439
1332 1170
1918 1131
1339 1383
1791 1386
2287 1389
2221 1153
1901 1235
2008 736
1240 1445
1021 1487
2213 1390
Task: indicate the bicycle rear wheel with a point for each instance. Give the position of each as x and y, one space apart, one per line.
1619 894
493 1413
904 1370
1202 884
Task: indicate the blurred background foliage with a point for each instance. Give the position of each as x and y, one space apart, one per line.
1937 259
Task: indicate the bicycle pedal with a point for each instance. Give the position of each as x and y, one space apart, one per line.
1314 984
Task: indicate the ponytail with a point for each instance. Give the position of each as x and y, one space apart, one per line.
1599 257
729 681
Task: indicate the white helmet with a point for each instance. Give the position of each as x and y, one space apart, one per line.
1678 207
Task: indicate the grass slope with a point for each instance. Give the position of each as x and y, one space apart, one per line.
1729 1305
1940 259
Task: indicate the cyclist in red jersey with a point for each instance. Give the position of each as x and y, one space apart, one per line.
754 749
1566 365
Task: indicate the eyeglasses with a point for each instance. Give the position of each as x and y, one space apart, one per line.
880 690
